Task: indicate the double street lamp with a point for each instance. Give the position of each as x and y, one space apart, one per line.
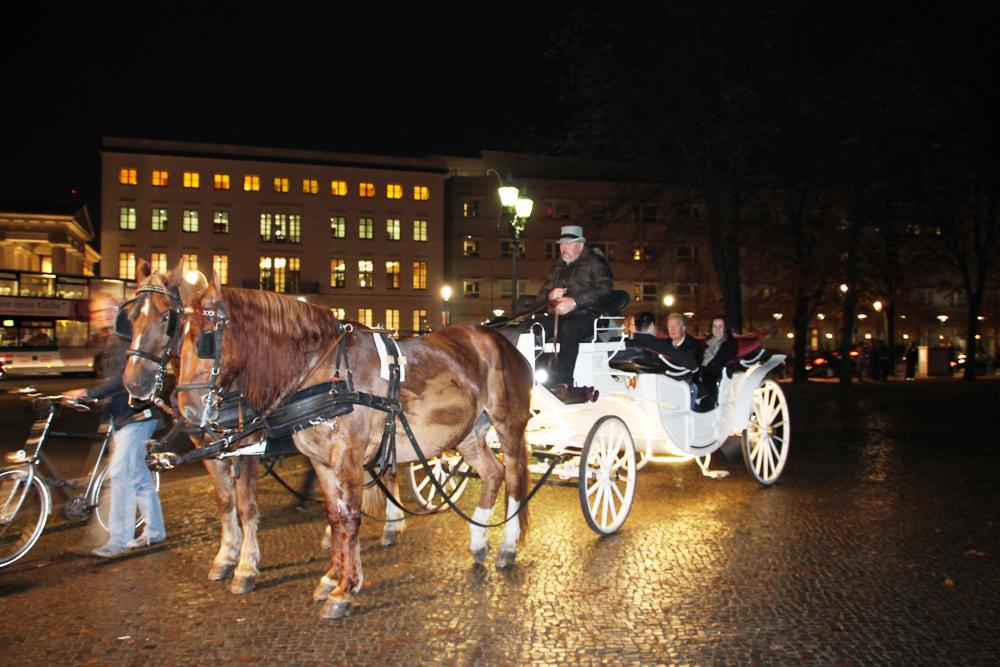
516 210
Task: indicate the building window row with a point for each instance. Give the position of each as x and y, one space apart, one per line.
366 274
280 228
366 316
158 263
160 178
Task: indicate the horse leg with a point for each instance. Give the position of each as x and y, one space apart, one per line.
342 488
510 430
246 501
482 460
394 523
232 538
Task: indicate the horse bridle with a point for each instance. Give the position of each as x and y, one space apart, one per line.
123 327
209 346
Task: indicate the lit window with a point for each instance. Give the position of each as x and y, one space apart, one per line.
294 228
126 265
221 181
366 228
158 262
470 247
392 229
279 274
266 223
366 189
126 218
128 176
338 272
189 221
470 288
470 208
392 274
310 186
644 252
280 227
421 192
392 318
338 226
419 230
189 261
220 222
159 219
419 275
339 313
394 191
251 183
280 184
419 320
161 178
366 273
338 188
220 266
365 316
192 179
644 291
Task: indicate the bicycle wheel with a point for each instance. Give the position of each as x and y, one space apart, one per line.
24 509
100 499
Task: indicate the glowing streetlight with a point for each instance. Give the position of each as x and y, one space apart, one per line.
516 210
820 316
942 318
446 309
843 288
668 300
777 316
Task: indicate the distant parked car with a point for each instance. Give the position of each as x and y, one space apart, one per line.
826 363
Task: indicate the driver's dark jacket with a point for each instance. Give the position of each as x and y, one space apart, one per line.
588 280
110 365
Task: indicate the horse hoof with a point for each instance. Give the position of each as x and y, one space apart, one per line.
220 572
336 609
322 591
505 558
480 554
390 537
242 583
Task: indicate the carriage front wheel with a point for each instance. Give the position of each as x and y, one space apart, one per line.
450 470
607 475
768 433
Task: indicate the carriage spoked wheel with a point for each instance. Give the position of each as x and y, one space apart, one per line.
607 475
768 433
450 470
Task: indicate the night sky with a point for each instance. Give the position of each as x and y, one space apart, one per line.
398 78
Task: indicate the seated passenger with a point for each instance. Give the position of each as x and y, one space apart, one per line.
720 349
644 325
677 330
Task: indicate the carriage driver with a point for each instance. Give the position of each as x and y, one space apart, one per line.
577 289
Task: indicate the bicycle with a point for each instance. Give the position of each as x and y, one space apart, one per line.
25 496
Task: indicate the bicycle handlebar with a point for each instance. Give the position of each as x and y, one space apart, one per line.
82 404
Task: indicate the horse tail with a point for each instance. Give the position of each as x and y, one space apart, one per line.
523 482
373 500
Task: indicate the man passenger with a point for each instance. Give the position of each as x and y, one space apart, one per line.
677 330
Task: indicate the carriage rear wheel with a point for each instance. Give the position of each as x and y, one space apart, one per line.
451 471
607 475
768 433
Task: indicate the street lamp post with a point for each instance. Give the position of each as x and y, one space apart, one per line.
516 210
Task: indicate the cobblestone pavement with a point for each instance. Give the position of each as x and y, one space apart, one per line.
878 546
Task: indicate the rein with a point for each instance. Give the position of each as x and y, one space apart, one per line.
173 327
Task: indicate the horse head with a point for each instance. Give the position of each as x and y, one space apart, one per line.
199 373
151 320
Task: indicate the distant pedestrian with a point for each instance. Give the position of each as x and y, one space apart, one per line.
911 357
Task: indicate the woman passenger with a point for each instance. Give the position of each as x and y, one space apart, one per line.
720 349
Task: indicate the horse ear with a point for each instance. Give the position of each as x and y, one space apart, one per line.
192 287
217 283
142 271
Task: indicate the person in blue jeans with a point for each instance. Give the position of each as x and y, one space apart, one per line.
131 481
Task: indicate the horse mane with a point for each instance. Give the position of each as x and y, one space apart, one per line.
274 336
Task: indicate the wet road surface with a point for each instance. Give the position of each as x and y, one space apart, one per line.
879 545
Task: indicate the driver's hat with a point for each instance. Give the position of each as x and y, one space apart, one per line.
571 233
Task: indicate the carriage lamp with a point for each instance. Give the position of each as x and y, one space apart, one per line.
498 312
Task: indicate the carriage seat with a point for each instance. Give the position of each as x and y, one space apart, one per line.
752 354
642 360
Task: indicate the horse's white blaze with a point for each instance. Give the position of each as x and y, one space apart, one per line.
477 534
145 306
511 529
187 327
137 341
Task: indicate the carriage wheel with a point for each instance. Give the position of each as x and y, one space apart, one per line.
450 470
607 475
768 433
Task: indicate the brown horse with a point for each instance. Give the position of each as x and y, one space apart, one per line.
458 381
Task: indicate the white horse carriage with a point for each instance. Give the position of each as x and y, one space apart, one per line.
646 410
